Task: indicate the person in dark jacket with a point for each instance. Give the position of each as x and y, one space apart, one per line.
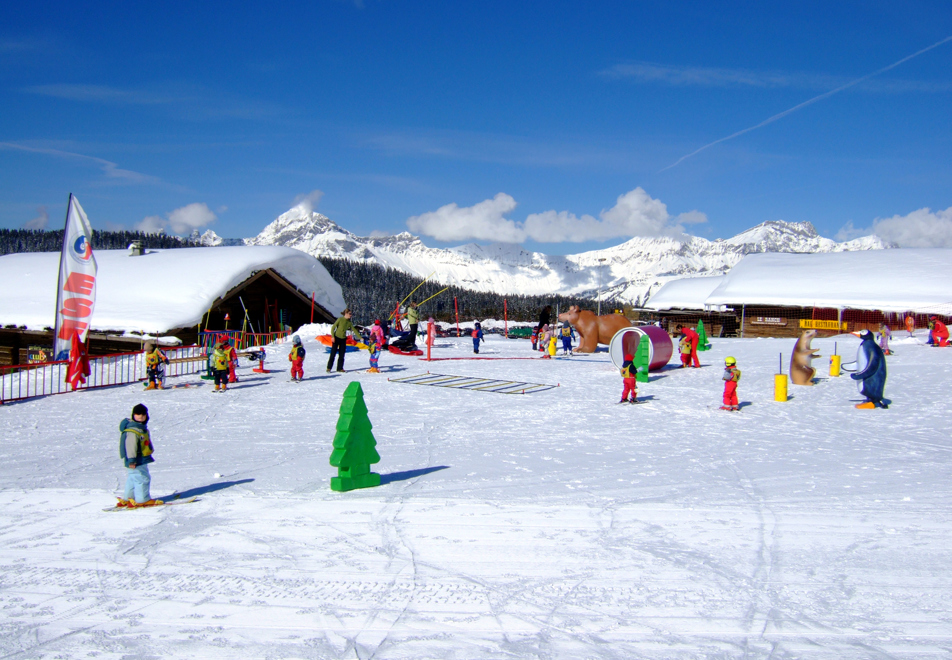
135 449
545 317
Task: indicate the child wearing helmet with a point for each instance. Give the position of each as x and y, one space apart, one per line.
477 335
219 365
296 357
731 378
568 335
629 373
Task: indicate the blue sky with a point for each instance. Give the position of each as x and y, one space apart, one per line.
555 125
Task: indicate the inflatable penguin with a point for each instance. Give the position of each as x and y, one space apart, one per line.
870 371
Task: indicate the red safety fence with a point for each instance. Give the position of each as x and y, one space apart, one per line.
25 381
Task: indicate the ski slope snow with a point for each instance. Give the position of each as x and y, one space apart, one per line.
549 525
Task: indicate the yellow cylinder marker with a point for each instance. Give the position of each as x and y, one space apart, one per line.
552 348
835 365
780 387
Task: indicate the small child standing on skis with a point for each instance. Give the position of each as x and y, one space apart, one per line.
477 336
219 364
568 335
154 361
629 372
731 378
135 449
296 356
534 338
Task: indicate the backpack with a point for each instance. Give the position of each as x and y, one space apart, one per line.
475 333
566 332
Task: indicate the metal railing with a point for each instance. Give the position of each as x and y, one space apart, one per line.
26 381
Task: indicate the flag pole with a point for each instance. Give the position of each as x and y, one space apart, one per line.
59 276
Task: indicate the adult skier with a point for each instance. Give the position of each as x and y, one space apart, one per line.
870 371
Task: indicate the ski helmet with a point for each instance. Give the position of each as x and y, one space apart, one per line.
729 361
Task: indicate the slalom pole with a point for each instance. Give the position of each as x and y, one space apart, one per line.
505 314
456 310
414 290
312 307
433 296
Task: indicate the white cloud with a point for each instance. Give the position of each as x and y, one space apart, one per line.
41 220
483 221
152 224
919 229
635 213
190 217
181 221
309 201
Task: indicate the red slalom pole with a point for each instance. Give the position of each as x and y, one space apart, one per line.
456 309
312 307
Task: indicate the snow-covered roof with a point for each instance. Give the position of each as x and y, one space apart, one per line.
686 293
894 280
157 291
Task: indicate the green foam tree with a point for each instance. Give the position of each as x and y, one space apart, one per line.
702 344
642 358
354 444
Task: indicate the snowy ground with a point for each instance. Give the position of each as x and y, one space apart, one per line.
551 525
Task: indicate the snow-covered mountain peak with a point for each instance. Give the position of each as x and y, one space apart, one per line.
625 272
298 227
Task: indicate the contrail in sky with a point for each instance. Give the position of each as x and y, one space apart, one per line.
822 96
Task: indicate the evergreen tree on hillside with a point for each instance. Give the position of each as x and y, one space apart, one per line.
372 291
13 241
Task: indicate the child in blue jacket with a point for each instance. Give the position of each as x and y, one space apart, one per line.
135 449
477 336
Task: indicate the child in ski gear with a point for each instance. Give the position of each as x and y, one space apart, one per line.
731 378
339 334
885 334
219 362
377 333
544 338
296 356
155 360
135 449
568 335
534 338
940 333
629 374
477 336
684 348
374 349
232 360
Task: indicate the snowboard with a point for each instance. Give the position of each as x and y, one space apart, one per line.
153 506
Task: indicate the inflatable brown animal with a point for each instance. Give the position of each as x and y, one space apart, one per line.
593 330
801 362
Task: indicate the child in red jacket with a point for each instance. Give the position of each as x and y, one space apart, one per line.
731 378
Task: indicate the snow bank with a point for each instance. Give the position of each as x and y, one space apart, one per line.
158 291
895 280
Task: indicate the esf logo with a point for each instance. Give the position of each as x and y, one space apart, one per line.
81 248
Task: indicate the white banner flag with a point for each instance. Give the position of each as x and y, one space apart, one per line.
76 289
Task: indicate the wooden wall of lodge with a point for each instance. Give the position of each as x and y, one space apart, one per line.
778 321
